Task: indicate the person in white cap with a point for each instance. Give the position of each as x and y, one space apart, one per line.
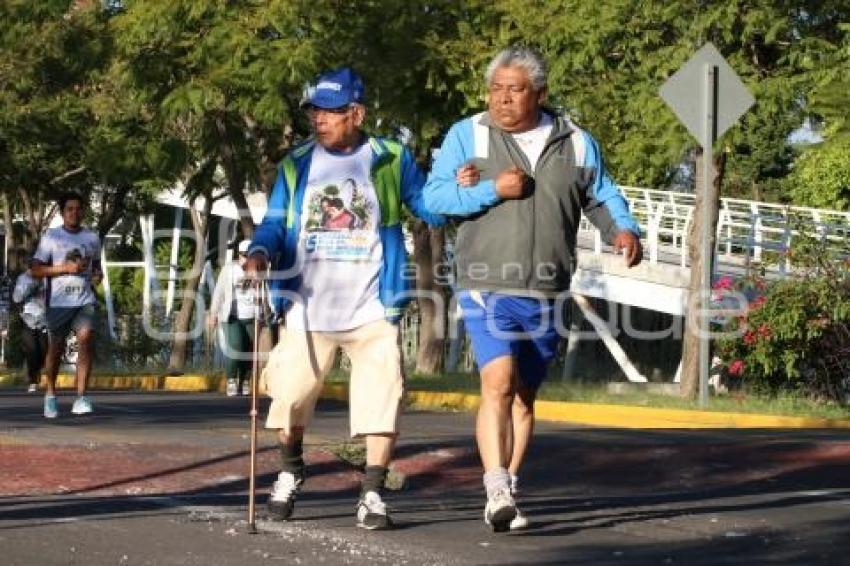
233 306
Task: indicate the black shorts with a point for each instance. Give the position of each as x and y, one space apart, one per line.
61 320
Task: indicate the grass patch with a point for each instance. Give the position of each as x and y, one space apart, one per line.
354 453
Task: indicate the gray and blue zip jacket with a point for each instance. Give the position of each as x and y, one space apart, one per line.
396 178
525 244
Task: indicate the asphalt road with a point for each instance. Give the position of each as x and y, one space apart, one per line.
160 478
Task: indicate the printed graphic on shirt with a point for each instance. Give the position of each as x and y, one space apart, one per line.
340 222
57 247
339 250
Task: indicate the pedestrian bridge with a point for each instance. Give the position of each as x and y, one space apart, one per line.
750 235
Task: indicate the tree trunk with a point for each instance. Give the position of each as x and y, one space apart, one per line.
689 387
756 190
113 209
31 234
235 177
8 227
427 253
183 321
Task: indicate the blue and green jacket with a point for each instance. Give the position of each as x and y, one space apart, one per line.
396 178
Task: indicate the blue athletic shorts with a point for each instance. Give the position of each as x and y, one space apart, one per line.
506 325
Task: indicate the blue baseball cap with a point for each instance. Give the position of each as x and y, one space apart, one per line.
334 89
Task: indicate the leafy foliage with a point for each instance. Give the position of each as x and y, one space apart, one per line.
797 336
821 176
609 59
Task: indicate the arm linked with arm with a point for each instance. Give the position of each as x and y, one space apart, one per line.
442 193
412 181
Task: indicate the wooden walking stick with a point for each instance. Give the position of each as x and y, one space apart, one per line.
259 310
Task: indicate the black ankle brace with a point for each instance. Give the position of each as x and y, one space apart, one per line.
292 458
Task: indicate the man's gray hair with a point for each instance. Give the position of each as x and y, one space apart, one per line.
524 57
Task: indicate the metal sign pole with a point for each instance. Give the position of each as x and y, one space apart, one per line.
706 76
710 135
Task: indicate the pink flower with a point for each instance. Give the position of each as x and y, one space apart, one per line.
764 331
736 368
724 283
750 338
758 302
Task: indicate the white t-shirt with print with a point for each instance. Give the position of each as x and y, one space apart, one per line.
243 295
58 246
339 249
533 141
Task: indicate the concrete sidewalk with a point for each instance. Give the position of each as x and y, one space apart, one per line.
592 414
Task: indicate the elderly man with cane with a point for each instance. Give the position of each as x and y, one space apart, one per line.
341 288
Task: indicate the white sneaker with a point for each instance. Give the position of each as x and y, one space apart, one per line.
232 388
372 513
500 510
51 407
519 522
283 495
33 388
82 406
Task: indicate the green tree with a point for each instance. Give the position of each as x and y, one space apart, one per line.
48 52
224 79
66 124
821 175
608 60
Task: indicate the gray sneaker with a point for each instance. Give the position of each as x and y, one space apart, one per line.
500 510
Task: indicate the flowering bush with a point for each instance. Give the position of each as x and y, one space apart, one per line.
796 333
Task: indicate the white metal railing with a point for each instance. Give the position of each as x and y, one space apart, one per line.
747 231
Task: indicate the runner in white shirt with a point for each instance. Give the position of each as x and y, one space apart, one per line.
68 258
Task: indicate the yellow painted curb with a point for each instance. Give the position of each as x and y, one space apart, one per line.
443 400
8 380
593 414
626 416
188 382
